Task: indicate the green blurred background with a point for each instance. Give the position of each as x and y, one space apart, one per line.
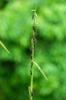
50 51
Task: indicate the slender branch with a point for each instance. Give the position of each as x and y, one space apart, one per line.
32 55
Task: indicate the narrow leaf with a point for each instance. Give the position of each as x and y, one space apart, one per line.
4 46
39 68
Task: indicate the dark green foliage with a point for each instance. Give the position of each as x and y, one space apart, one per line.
50 51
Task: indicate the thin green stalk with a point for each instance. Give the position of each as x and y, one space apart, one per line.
32 56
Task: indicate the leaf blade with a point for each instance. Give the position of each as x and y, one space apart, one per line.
39 68
4 47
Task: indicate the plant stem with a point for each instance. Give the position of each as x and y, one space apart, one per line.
32 56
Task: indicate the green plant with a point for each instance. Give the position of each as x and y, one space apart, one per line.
33 56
